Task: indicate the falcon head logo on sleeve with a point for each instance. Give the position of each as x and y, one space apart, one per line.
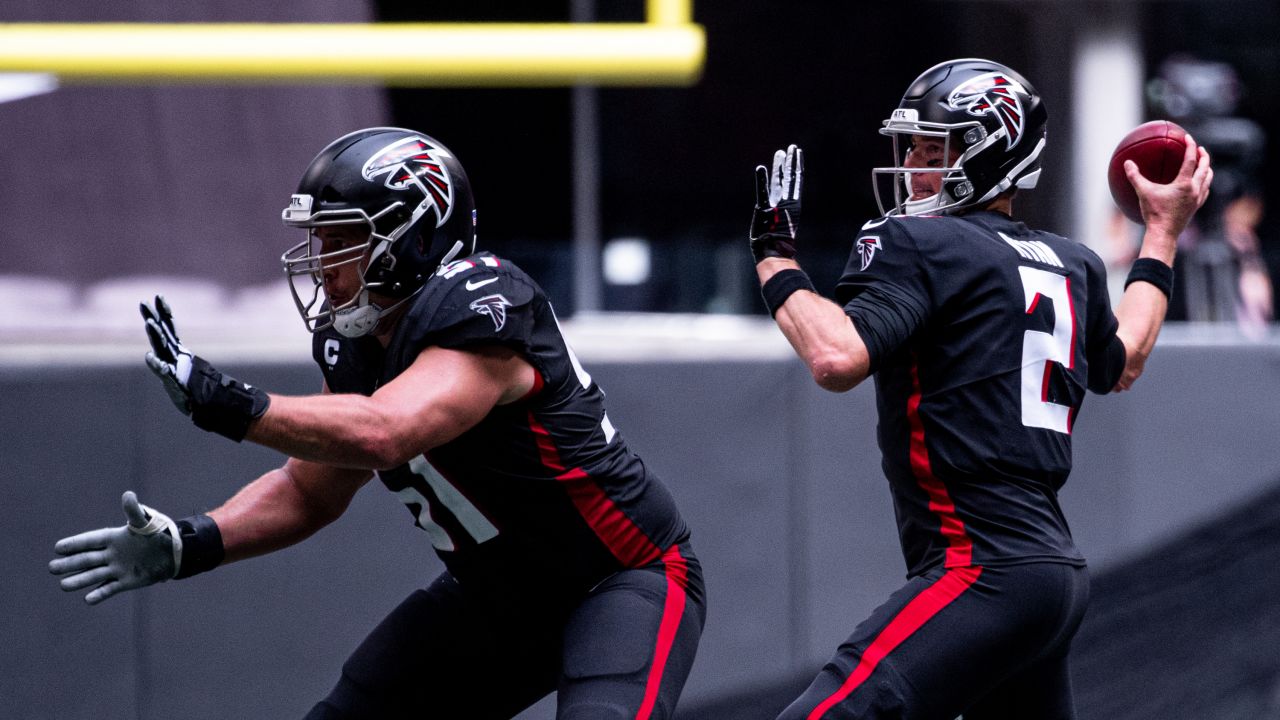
867 247
414 161
495 306
993 94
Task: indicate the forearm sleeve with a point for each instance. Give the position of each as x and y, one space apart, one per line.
1106 366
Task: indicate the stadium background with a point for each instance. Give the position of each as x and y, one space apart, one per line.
110 191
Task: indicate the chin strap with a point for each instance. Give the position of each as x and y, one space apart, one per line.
357 321
360 320
916 207
453 253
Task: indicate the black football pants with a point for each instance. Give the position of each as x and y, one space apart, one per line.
990 643
623 650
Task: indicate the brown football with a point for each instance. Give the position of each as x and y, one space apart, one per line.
1158 148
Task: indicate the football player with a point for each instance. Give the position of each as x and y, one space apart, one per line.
983 335
447 376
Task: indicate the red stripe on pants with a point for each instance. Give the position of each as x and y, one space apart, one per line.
672 611
914 615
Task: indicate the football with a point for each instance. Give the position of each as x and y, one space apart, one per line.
1157 147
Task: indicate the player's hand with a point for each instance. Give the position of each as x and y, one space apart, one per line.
144 552
215 401
1168 208
169 359
776 219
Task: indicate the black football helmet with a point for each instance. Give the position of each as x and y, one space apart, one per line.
411 194
984 110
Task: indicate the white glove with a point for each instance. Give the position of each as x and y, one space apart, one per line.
215 401
146 551
776 218
169 359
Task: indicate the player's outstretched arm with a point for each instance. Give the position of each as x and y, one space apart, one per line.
441 395
1166 209
280 508
437 398
214 400
818 329
284 507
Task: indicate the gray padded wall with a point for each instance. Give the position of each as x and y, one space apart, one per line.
779 480
1199 434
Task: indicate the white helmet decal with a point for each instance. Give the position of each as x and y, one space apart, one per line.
414 160
993 94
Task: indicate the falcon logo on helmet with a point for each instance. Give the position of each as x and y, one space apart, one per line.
867 247
993 94
414 161
495 306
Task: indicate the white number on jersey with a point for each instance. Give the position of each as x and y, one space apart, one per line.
1041 348
585 378
468 515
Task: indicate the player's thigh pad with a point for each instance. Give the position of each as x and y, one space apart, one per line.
1041 690
630 644
441 654
948 639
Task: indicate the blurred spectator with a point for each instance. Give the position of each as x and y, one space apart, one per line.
1221 273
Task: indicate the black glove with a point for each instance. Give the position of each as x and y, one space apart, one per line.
776 219
216 402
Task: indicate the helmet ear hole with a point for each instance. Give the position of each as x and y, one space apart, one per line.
389 222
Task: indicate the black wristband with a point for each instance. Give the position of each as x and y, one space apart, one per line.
1151 270
779 287
201 545
222 404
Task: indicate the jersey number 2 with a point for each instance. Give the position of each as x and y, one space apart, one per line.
1040 348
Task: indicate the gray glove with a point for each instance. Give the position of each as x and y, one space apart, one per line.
146 551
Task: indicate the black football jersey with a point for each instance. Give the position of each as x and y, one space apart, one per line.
543 490
984 335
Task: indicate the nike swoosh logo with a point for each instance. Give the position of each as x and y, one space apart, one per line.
480 284
874 223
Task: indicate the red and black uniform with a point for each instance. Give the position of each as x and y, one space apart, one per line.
984 336
568 566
